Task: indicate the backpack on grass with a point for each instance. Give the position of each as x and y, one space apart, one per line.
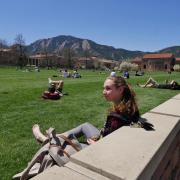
55 151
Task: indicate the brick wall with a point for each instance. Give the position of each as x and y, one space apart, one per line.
169 167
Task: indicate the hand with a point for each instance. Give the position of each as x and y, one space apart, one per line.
90 141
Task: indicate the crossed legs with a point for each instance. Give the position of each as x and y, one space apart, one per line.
150 83
87 129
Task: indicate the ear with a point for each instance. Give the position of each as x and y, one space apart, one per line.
121 89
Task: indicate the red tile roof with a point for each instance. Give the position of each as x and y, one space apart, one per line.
178 59
158 56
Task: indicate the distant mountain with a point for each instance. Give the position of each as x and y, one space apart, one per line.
174 49
80 46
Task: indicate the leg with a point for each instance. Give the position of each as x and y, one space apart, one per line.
141 85
59 86
172 82
38 134
86 129
150 83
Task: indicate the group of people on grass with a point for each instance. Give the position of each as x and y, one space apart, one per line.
55 88
67 74
124 112
126 74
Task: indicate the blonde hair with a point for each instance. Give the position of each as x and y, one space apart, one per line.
127 104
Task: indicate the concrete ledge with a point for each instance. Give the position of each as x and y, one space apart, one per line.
84 171
176 97
170 107
61 173
130 153
70 171
170 138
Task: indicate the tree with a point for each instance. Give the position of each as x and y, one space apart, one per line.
19 45
96 64
125 66
3 44
86 55
134 67
44 50
86 50
176 67
68 55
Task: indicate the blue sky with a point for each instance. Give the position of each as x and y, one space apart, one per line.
146 25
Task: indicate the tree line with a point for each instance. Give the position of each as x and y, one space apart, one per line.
19 47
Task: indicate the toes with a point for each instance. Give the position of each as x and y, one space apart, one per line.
35 126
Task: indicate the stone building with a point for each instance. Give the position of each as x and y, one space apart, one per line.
84 62
49 60
177 60
42 60
138 61
8 57
95 62
161 61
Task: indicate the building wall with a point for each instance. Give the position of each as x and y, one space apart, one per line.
177 62
8 58
169 167
158 64
51 62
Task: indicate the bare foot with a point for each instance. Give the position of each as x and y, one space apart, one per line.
143 86
37 134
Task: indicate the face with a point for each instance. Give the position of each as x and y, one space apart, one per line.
111 92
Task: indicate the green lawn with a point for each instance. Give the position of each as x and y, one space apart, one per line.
21 106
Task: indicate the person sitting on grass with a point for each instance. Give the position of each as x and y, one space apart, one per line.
126 74
55 90
151 83
59 84
76 74
139 73
52 93
66 74
113 74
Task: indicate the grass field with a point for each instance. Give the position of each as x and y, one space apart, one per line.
21 106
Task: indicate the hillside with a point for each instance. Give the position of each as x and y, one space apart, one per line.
80 47
174 49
